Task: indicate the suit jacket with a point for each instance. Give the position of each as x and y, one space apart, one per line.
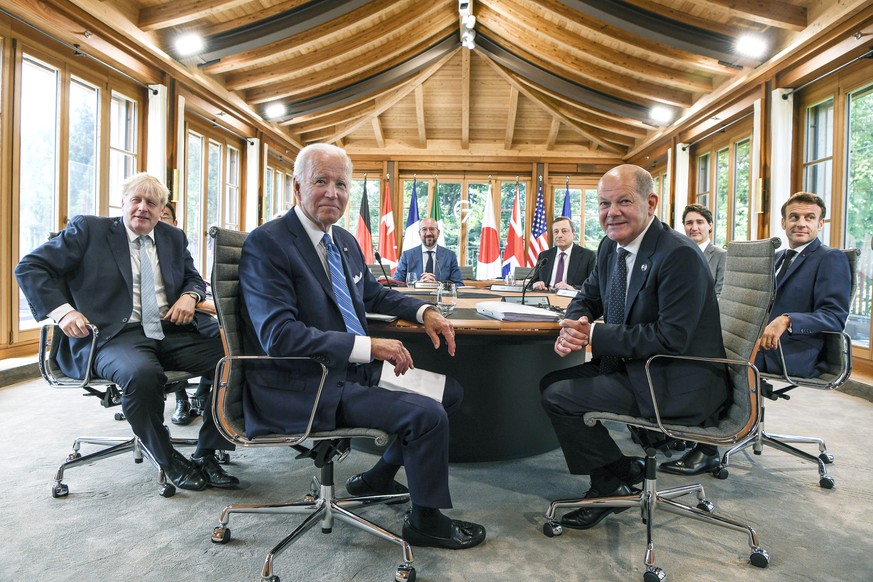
582 262
671 308
88 266
288 309
445 269
716 257
815 294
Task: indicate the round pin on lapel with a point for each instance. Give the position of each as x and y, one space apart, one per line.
644 267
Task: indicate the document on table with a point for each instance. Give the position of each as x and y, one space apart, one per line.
381 317
416 381
514 312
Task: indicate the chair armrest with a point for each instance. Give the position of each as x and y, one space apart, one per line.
222 379
48 349
690 435
845 350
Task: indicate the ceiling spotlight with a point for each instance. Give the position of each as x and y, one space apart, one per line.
751 46
469 21
274 110
468 39
189 44
661 115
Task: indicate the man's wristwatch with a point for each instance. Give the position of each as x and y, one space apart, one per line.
193 294
789 323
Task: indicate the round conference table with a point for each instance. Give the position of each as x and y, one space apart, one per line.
499 364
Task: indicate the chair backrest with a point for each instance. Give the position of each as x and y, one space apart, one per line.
228 391
522 273
467 272
744 306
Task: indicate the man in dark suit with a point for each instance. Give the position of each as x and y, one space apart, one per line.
570 263
133 278
656 295
305 292
812 295
429 260
697 220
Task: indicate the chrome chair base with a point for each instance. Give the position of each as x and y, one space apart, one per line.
650 500
322 506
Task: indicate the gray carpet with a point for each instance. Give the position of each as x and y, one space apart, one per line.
114 525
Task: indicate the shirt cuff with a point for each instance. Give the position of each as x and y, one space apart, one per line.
58 313
361 350
419 315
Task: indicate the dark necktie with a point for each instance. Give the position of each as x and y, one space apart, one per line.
341 287
615 307
559 271
787 259
428 268
151 317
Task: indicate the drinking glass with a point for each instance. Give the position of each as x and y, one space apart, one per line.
411 278
447 297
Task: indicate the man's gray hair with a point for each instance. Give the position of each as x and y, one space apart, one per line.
145 182
304 159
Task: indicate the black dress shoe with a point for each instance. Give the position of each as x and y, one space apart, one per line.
215 475
464 534
182 415
184 474
586 517
357 487
694 462
636 471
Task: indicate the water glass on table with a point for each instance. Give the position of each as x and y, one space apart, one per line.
447 297
411 278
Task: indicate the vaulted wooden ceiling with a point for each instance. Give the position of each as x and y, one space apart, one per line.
556 77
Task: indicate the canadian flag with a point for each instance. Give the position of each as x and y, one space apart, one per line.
488 265
513 255
387 241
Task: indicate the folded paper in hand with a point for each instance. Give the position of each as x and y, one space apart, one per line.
415 380
514 312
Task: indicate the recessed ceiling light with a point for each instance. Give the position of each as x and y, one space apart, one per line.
189 44
274 110
750 45
661 114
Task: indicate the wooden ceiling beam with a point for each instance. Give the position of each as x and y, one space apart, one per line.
773 13
419 116
175 13
511 117
377 130
553 133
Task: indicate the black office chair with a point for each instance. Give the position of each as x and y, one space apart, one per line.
744 305
467 273
325 448
837 355
109 396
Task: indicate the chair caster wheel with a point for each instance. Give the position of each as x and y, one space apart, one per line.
220 535
120 416
60 490
759 558
706 505
654 574
826 482
167 490
720 472
273 578
826 458
73 456
552 529
222 457
404 573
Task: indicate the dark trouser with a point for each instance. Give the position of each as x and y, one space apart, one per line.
136 364
570 393
420 423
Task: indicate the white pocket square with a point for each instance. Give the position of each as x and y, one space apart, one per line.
357 278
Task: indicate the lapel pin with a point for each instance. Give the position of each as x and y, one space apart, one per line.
644 267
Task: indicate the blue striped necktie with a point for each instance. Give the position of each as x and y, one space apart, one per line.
341 287
615 307
151 317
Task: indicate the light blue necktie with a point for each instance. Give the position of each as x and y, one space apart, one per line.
151 317
341 287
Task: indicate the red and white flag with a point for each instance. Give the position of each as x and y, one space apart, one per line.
488 265
513 254
363 232
387 240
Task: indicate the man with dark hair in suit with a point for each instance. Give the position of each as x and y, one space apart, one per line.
305 292
134 279
570 263
697 220
812 295
656 295
430 261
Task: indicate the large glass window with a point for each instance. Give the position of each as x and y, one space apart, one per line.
722 184
859 208
819 156
123 142
82 155
583 208
38 166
